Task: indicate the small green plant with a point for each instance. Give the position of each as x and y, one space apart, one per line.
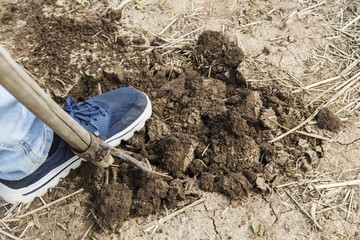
82 2
255 226
138 4
162 2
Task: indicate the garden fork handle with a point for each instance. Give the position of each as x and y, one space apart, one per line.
15 79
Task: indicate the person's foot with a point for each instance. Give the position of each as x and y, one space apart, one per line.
114 115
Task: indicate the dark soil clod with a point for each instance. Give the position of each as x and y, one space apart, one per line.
328 120
113 205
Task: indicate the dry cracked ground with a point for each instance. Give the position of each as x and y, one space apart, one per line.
226 78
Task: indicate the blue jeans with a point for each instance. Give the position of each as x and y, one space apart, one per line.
24 140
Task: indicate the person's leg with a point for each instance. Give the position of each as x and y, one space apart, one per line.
24 139
115 115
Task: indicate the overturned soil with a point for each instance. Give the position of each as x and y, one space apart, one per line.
207 125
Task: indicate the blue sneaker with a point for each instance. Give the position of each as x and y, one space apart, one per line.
114 115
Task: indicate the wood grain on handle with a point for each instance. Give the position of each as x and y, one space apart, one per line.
26 90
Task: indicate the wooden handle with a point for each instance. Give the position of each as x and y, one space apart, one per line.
26 90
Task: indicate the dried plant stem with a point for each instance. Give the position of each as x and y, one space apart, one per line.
329 208
87 232
29 225
286 184
171 215
320 83
343 74
250 24
303 11
338 184
122 5
106 176
321 95
8 220
350 204
303 210
349 105
313 135
302 132
298 126
350 81
182 37
168 26
50 204
9 235
41 208
351 22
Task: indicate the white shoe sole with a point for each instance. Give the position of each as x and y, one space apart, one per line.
27 194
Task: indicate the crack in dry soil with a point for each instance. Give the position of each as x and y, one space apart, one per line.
350 143
215 227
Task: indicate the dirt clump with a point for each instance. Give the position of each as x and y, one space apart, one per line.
328 120
178 152
216 51
112 205
176 193
216 56
234 185
148 199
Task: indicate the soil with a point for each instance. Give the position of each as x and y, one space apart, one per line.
218 121
210 128
328 120
114 202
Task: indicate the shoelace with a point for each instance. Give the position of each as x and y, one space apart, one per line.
85 112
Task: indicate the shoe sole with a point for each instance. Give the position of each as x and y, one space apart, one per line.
27 194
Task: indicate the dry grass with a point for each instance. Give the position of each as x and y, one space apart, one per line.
340 51
13 213
156 225
183 34
320 194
